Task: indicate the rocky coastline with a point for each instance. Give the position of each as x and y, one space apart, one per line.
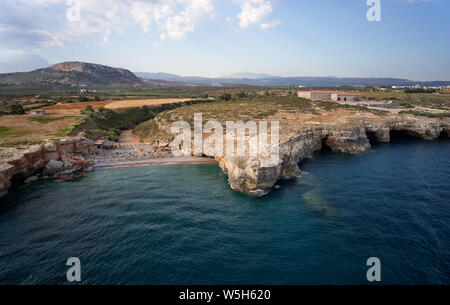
63 159
70 158
298 143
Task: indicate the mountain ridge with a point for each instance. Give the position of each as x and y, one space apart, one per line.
307 81
82 73
74 73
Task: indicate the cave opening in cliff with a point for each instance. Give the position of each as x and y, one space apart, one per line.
325 146
372 137
444 135
17 180
401 135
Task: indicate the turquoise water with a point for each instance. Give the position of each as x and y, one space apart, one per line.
182 224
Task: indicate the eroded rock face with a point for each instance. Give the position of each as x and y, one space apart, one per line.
248 176
53 167
50 157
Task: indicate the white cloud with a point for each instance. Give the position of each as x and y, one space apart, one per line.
28 24
270 24
254 11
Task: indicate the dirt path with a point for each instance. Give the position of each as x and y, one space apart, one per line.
127 138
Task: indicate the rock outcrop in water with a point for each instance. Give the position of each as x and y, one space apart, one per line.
62 159
297 143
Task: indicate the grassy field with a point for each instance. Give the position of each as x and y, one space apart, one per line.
427 114
256 109
123 104
73 108
410 100
18 130
246 109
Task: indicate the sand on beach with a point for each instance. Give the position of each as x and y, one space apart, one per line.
162 161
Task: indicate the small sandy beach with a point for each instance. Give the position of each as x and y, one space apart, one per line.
149 162
133 152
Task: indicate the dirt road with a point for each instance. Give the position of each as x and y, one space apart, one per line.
127 138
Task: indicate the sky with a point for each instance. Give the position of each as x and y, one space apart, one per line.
220 37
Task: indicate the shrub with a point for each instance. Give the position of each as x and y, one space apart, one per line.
10 108
88 110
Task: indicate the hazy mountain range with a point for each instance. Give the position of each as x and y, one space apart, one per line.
270 80
80 73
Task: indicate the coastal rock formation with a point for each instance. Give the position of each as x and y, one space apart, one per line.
248 176
53 167
64 156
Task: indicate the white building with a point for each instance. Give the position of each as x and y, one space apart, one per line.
315 95
336 96
346 97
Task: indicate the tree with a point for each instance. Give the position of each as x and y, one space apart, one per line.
9 108
225 97
83 99
88 110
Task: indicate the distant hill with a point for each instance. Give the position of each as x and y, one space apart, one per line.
256 80
80 73
248 75
74 73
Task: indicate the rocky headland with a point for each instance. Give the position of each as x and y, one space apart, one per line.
301 134
63 159
343 131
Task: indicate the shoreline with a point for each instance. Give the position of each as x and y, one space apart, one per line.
159 161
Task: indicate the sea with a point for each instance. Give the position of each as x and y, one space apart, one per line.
182 224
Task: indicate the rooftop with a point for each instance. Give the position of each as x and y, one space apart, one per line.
336 92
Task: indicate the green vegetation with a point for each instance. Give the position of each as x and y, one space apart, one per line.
20 143
420 90
145 129
335 106
240 110
10 108
9 132
225 97
427 114
46 120
256 108
108 123
411 100
4 129
246 109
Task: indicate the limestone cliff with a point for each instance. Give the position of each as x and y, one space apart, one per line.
247 176
301 135
19 165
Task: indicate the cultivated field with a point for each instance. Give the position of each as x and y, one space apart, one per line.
73 108
139 103
23 130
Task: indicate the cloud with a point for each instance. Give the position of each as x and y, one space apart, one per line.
27 24
254 11
270 24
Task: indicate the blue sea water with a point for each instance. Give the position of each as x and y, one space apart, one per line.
182 224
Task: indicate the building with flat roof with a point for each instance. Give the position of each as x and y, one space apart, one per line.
337 96
38 112
346 97
315 95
